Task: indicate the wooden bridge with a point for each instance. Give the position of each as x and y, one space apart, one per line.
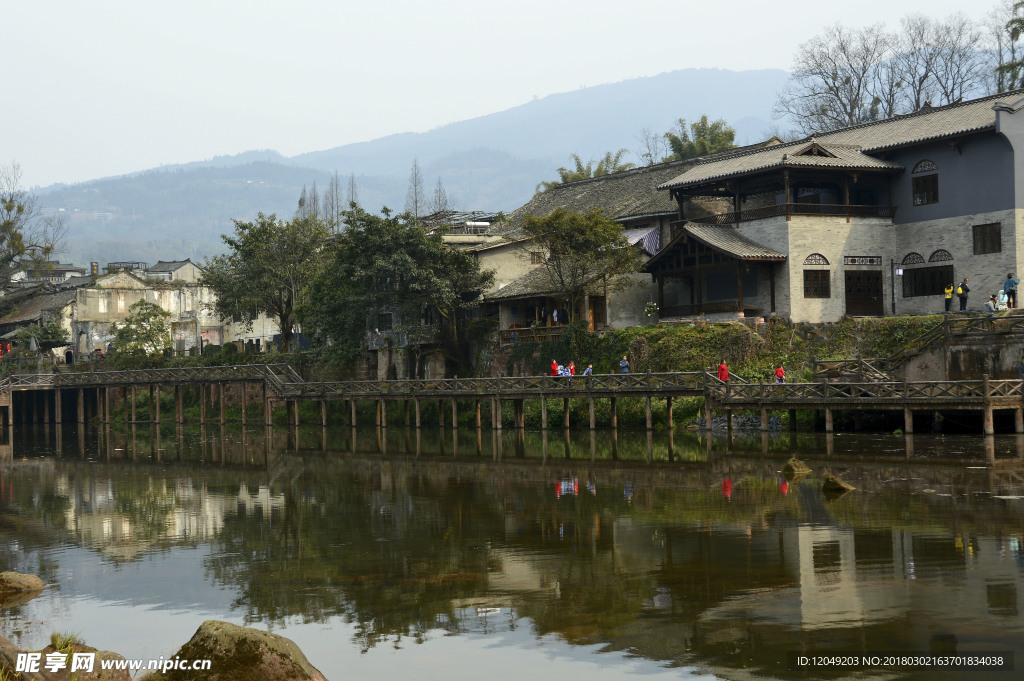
81 396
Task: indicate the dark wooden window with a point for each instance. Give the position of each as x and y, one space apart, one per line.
988 238
927 281
926 189
536 258
817 284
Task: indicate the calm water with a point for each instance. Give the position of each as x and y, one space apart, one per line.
440 557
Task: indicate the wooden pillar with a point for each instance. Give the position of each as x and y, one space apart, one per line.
497 404
792 420
989 427
647 412
268 407
245 399
352 413
133 396
543 413
202 404
405 412
615 412
764 419
593 420
828 420
179 411
223 407
157 408
565 412
416 408
668 409
477 415
106 405
455 414
707 415
57 415
1018 420
729 422
440 414
908 421
81 405
323 413
46 406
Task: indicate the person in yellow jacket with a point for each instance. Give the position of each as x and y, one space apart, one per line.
949 296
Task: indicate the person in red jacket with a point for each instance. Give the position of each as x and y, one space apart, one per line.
723 372
780 374
554 367
572 368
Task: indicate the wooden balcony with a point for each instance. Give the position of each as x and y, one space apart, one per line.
530 334
790 209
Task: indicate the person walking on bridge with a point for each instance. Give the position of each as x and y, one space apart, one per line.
723 372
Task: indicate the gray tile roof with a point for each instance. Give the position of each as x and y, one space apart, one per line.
169 265
536 282
851 147
726 239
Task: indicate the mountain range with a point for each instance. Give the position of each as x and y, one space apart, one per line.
489 163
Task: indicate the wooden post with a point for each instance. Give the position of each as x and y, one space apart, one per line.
764 418
440 414
268 408
46 407
1018 420
245 398
668 408
543 413
707 415
81 405
352 413
157 408
828 419
593 421
202 404
648 414
57 416
323 414
908 421
615 413
416 408
405 412
988 426
223 407
477 415
565 412
455 414
792 420
106 405
178 409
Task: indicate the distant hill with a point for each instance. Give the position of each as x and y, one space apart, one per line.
493 162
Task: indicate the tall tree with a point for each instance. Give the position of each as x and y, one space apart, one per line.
653 147
333 204
439 201
611 163
26 232
415 196
390 265
267 268
583 251
1006 28
704 137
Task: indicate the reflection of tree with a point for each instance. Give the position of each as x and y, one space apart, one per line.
393 564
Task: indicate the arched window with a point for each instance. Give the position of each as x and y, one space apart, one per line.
925 183
815 259
817 279
940 255
931 280
913 259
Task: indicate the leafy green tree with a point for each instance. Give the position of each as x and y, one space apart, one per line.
1010 72
387 270
48 336
267 268
611 163
583 251
145 331
704 137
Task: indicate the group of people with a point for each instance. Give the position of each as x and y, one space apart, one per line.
568 369
1009 295
723 373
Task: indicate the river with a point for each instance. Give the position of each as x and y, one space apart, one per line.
441 555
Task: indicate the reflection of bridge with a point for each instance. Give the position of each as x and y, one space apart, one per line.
36 398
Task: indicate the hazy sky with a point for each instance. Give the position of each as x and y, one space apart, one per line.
105 87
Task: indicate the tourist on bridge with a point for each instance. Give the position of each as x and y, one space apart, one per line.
780 374
554 367
624 365
1010 289
589 371
949 295
723 372
961 291
572 368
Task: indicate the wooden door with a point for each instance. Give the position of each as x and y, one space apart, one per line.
864 295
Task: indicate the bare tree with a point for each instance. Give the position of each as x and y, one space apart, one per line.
653 147
27 232
959 69
831 86
313 209
415 197
915 58
439 201
353 191
333 204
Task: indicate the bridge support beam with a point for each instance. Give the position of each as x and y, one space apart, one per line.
671 425
764 418
543 413
106 405
416 410
565 413
352 413
223 406
134 419
707 415
202 404
988 427
81 405
828 420
323 414
593 420
647 412
58 417
179 405
455 414
440 414
792 420
615 413
157 408
477 414
908 421
245 399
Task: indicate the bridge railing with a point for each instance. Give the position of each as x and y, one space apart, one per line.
872 390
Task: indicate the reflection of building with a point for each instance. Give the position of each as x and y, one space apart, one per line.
125 522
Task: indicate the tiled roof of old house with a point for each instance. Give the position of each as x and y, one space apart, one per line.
852 148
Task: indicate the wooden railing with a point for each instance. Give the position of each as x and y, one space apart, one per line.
875 391
530 334
781 209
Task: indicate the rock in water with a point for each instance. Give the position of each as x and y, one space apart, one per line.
794 466
240 654
15 581
835 484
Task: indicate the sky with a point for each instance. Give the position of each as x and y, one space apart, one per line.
107 87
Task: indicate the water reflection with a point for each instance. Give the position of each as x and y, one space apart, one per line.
680 550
